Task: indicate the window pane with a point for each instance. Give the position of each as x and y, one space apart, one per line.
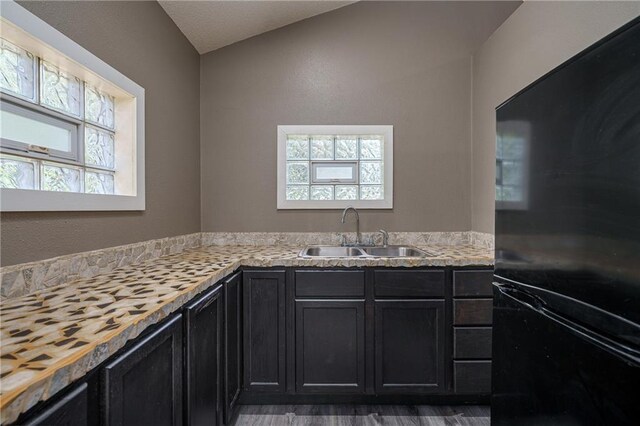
512 193
346 192
346 148
59 90
98 147
58 178
19 174
98 183
371 148
17 70
297 172
322 147
297 192
98 107
371 192
323 192
511 173
370 172
340 172
297 147
32 128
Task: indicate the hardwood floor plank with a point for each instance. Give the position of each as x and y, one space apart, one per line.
363 415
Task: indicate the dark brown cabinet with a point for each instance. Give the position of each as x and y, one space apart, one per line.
232 344
70 410
409 346
263 295
144 384
330 355
203 342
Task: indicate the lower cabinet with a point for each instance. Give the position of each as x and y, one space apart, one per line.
71 410
409 346
203 355
144 384
330 342
232 344
264 343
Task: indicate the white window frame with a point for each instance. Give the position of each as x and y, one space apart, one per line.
385 130
38 200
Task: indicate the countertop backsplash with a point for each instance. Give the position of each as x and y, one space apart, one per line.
26 278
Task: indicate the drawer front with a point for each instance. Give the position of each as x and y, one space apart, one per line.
472 342
472 377
393 283
473 312
472 283
314 283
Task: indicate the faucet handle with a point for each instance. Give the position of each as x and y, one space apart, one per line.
343 240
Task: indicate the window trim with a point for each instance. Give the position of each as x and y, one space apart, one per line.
30 200
284 130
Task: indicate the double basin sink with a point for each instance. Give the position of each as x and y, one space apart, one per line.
378 251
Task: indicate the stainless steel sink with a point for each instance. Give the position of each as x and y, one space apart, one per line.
338 251
331 251
396 251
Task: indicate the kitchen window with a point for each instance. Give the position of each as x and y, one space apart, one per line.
512 165
71 126
332 167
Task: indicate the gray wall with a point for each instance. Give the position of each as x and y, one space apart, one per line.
538 37
407 64
142 42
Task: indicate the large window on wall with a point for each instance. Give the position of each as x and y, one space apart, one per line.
332 167
71 126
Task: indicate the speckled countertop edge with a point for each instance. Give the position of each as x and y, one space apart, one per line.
137 297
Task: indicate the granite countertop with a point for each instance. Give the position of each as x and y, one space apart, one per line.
55 336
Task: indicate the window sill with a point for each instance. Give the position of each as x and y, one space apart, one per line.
21 200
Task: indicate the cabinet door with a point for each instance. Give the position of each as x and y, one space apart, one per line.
203 349
70 410
144 385
233 344
330 355
263 296
409 346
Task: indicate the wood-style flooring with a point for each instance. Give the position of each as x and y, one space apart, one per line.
365 415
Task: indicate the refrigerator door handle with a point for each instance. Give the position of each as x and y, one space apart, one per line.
624 351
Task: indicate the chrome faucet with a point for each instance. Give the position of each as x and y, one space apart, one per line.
385 237
344 216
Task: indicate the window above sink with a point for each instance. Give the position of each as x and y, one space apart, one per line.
332 167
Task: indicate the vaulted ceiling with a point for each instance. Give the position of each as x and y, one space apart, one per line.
210 25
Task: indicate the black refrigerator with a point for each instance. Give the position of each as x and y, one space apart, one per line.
566 343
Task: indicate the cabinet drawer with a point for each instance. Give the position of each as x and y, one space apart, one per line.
471 342
472 283
393 283
473 312
472 377
329 283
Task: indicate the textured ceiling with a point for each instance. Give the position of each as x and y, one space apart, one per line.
212 24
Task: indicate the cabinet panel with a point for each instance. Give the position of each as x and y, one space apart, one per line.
264 330
322 283
473 312
144 385
409 283
203 341
472 377
233 344
330 353
472 342
409 346
473 283
70 410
